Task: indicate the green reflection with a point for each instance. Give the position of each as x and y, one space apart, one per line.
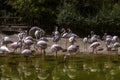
81 67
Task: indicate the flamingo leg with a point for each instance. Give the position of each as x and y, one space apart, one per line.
84 47
56 54
44 52
14 50
93 51
66 42
117 52
108 55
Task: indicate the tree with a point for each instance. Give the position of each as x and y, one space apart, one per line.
36 12
68 15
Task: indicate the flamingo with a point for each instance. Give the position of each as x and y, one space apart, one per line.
44 39
42 45
72 49
93 38
56 32
73 34
56 37
29 38
108 36
94 45
69 30
21 35
63 31
109 47
92 33
104 36
28 42
115 39
72 40
116 45
6 40
4 49
37 34
85 41
15 46
27 51
65 35
56 47
108 40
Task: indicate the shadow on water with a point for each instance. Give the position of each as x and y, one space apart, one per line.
81 67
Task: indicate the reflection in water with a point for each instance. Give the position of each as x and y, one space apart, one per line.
50 68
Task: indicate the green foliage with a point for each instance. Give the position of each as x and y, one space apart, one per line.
35 12
68 14
80 15
115 14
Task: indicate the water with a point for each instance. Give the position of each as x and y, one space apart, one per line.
82 67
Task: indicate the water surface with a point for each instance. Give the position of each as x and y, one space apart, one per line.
82 67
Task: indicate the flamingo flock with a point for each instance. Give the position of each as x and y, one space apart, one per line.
112 43
38 43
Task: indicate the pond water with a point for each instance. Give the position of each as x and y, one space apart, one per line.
82 67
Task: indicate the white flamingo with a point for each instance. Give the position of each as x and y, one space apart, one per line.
109 47
4 49
28 42
72 49
85 41
72 40
29 38
21 35
56 47
6 41
42 45
94 38
37 34
27 51
104 36
56 32
65 35
108 40
116 45
56 37
92 33
94 45
115 39
63 31
44 39
69 30
15 46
